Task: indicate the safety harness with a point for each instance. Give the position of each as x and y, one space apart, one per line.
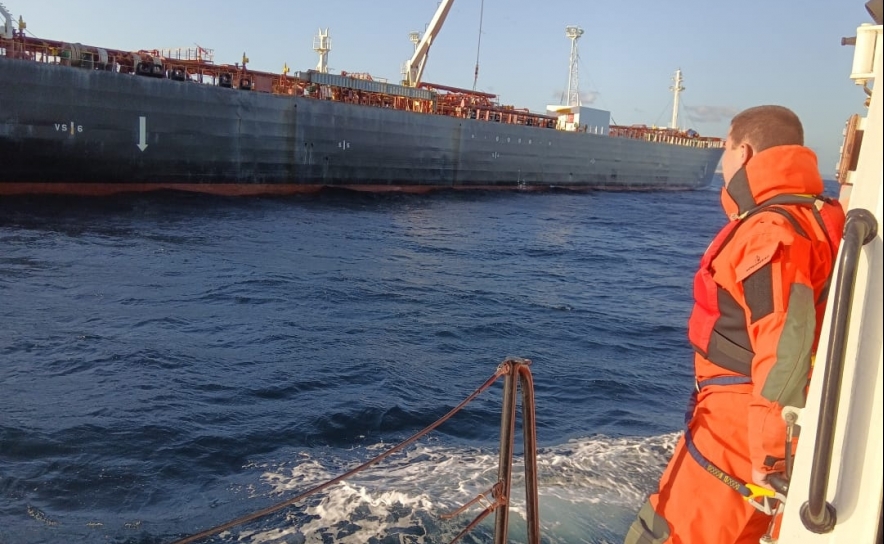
707 324
717 326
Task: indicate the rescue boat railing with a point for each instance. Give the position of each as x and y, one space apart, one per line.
860 228
518 367
511 369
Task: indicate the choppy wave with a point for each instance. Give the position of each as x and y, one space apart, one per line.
172 362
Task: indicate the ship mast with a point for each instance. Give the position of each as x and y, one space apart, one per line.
676 90
573 33
322 45
414 68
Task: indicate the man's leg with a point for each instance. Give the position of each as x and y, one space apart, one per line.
692 506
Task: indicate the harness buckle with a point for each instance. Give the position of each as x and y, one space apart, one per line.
771 502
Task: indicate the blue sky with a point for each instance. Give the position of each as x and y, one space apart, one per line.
733 55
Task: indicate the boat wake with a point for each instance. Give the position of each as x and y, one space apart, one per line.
589 490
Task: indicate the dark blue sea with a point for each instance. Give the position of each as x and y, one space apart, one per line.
171 362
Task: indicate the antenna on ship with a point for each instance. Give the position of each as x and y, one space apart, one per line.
322 45
573 33
676 90
6 30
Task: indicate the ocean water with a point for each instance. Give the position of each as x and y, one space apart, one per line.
172 362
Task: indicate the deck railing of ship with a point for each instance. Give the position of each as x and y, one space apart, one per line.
199 67
666 136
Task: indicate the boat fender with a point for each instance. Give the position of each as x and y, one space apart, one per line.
225 80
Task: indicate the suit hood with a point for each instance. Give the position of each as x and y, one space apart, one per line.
785 169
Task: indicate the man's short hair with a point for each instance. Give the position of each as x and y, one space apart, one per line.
763 127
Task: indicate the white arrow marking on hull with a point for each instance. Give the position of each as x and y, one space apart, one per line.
142 133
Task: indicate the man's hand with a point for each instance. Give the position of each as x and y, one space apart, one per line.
764 497
760 479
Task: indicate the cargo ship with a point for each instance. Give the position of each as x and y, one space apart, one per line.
78 119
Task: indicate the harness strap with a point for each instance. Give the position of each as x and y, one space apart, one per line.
770 503
710 467
723 380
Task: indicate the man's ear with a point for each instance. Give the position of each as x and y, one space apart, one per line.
746 153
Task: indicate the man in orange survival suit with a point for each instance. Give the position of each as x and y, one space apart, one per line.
759 298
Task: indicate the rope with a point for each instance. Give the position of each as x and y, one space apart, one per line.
598 92
479 45
501 370
687 112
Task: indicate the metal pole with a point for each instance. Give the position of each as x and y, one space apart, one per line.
529 432
505 469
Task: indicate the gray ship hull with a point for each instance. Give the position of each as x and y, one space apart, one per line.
66 130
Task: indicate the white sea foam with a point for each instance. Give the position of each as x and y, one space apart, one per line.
589 490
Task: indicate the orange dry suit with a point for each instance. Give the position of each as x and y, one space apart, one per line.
759 299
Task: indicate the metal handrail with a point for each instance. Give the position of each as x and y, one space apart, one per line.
517 367
860 228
